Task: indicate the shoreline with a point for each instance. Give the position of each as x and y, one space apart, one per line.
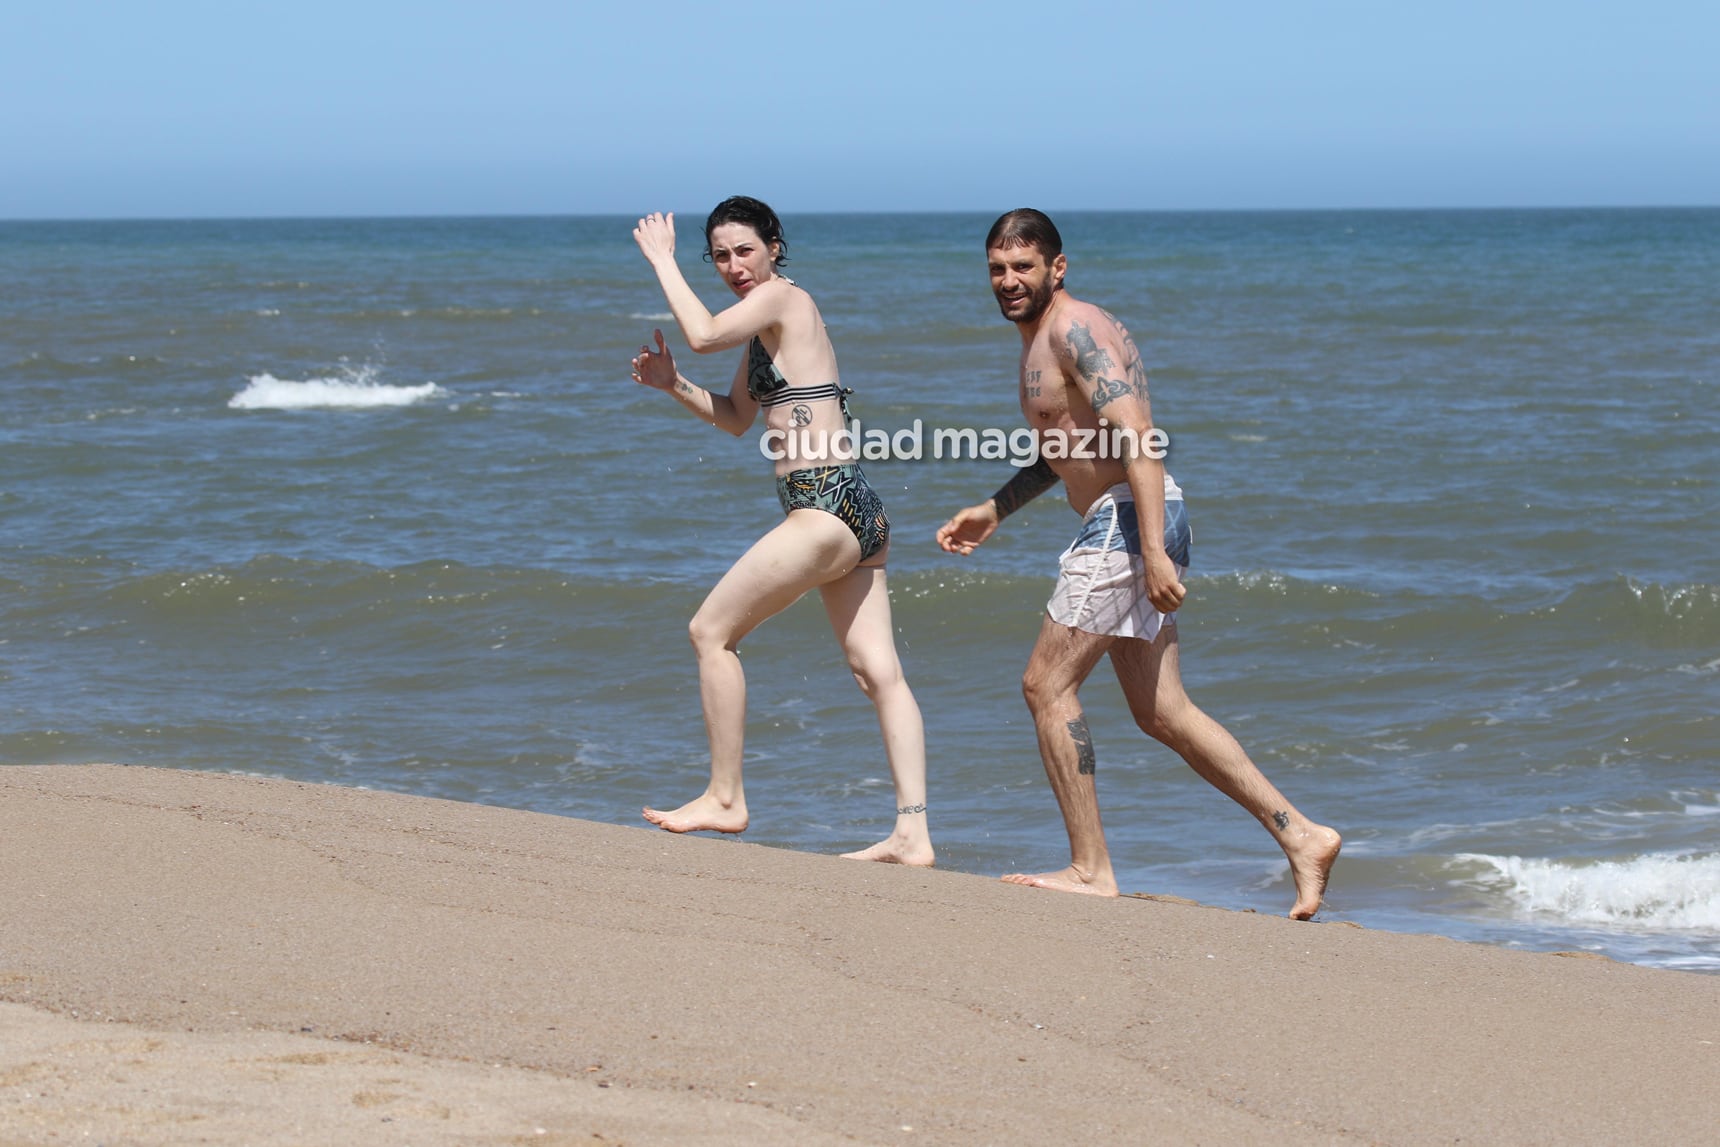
481 974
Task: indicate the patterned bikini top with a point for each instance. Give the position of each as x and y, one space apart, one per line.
768 388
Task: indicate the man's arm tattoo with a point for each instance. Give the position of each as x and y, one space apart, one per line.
1091 359
1138 376
1106 389
1094 362
1133 368
1029 482
1086 765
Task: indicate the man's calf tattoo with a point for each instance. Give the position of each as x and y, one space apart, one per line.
1087 766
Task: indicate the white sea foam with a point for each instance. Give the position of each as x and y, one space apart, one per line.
1654 891
654 317
357 391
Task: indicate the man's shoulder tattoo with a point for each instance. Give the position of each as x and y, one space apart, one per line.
1091 359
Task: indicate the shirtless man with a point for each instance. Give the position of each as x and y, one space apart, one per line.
1081 372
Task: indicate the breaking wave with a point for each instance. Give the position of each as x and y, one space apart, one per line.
359 390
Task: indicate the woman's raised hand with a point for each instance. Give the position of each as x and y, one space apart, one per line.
656 237
655 368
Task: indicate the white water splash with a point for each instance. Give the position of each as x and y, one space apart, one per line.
358 390
1654 891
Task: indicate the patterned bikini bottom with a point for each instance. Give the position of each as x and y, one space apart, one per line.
843 491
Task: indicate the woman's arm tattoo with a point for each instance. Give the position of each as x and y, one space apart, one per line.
1029 482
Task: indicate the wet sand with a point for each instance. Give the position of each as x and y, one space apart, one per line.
191 957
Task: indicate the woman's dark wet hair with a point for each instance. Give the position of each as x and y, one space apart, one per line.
1028 228
753 213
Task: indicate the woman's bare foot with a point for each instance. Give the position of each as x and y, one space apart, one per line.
899 848
707 813
1311 860
1071 879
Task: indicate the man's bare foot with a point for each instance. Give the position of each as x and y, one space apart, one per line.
1311 860
898 849
706 813
1071 879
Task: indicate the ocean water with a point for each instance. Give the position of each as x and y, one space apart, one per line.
374 502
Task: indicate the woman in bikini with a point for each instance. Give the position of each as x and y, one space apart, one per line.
834 537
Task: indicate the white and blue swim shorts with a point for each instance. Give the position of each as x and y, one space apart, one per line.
1101 581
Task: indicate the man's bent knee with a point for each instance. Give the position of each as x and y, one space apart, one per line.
1039 691
1168 724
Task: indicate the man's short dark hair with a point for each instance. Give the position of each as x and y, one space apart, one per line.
1026 227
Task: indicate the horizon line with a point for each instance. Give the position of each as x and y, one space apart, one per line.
1059 211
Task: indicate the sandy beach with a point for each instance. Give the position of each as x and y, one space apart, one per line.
208 958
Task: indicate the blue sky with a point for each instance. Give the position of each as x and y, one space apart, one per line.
378 107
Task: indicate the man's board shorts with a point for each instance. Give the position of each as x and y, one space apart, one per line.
1101 581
